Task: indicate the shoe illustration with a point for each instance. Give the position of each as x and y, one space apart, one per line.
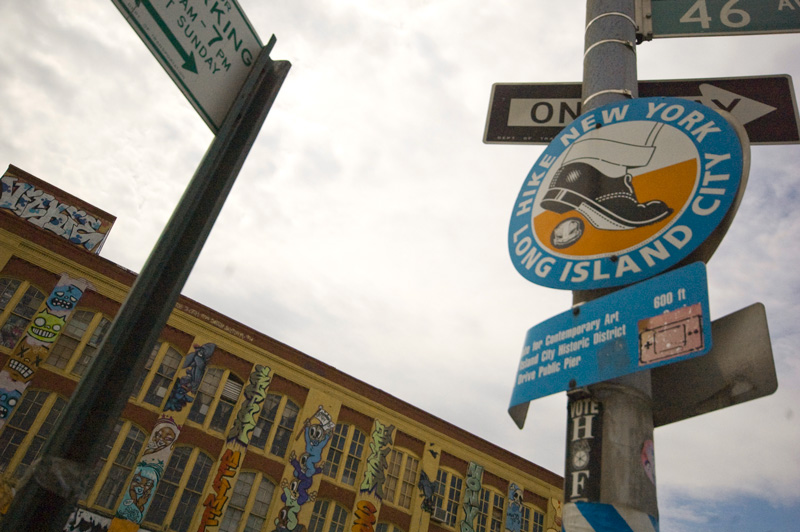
594 180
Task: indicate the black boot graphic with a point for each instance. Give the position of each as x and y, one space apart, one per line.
606 202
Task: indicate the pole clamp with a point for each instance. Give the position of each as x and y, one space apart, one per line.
624 92
612 14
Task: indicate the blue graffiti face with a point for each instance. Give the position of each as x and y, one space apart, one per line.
8 400
64 298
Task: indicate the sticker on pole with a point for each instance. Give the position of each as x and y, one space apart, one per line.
625 192
657 322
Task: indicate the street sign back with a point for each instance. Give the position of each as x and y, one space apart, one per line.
694 18
207 48
649 324
534 113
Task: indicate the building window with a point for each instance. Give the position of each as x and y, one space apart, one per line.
446 497
70 338
327 517
183 460
168 485
115 479
224 409
401 477
160 385
7 289
387 527
490 512
267 430
20 317
352 439
143 376
41 436
76 337
20 424
190 498
249 503
532 520
90 349
205 395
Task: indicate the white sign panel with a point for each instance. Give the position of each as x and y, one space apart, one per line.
206 46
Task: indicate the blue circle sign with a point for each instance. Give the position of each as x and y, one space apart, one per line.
625 192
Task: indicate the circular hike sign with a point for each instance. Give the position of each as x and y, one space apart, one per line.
625 192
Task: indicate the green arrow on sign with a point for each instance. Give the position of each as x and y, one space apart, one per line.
188 58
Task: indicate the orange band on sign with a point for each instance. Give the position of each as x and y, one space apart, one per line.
673 185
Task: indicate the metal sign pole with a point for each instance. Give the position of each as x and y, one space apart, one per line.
55 482
609 472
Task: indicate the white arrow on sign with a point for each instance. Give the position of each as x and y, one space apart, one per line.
745 110
558 112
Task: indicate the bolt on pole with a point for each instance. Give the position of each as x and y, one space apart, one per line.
609 441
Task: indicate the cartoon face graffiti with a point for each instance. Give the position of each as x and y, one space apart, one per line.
161 438
23 360
45 327
8 400
64 298
141 486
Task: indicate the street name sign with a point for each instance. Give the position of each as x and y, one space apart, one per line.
534 113
207 48
695 18
657 322
627 191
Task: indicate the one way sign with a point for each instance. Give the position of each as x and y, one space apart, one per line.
534 113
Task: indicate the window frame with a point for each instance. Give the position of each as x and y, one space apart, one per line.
176 498
528 523
82 342
29 434
275 424
342 449
215 400
10 309
325 523
153 371
399 491
248 510
110 460
487 519
442 497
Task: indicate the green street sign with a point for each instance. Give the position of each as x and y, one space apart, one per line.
694 18
207 48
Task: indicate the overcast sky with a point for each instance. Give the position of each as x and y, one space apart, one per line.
368 226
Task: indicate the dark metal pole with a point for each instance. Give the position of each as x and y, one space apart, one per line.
49 492
610 423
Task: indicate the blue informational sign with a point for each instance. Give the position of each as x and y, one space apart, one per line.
626 192
653 323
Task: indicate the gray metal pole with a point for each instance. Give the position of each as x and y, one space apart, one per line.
610 424
47 496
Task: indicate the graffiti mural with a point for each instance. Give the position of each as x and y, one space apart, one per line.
317 432
427 489
557 512
83 521
514 512
39 203
472 493
137 498
34 346
364 517
255 393
184 390
380 446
